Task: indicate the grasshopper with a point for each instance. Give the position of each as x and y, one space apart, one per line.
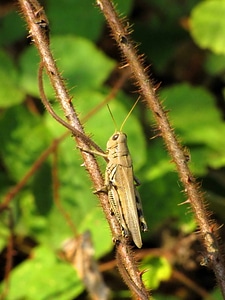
120 184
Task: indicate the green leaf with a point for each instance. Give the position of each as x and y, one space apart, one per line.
22 138
124 7
43 276
28 220
198 122
4 229
10 93
80 61
12 28
156 269
161 192
215 64
177 10
74 17
42 189
80 18
207 25
160 35
95 222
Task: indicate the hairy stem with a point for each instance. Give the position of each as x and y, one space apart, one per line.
39 28
148 91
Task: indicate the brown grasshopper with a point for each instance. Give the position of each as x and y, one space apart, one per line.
120 184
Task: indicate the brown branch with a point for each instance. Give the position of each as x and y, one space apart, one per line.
191 284
148 91
38 28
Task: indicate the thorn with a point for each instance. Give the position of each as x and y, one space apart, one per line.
155 88
185 202
141 273
99 3
124 66
155 136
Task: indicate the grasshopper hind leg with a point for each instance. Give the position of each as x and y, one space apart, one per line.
116 209
142 222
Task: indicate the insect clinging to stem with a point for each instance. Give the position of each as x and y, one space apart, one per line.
120 184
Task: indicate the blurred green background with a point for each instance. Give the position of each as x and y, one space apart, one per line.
184 43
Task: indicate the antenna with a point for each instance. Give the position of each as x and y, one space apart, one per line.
132 108
114 121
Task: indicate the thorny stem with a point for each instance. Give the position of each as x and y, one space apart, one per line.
38 29
148 91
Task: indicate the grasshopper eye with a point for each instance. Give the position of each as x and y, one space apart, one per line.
115 136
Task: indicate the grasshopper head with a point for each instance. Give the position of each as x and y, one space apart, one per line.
117 138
